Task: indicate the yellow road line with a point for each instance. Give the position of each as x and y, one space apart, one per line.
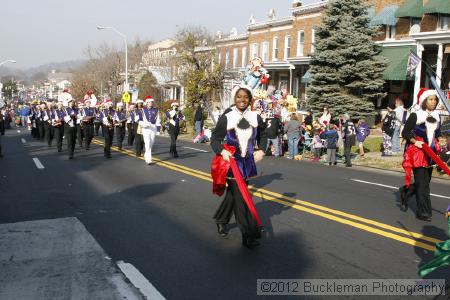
300 205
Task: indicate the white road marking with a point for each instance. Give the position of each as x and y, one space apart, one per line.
196 149
18 131
38 164
139 281
23 141
394 187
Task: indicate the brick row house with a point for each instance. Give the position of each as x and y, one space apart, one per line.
285 44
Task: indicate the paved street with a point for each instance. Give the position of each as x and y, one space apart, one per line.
319 222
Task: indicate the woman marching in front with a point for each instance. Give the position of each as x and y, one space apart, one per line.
422 127
243 131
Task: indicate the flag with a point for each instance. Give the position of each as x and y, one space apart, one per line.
413 62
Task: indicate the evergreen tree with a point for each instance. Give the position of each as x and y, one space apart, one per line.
346 71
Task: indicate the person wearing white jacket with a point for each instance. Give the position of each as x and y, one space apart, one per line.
148 119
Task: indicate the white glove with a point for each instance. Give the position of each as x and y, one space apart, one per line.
258 156
136 118
67 119
45 118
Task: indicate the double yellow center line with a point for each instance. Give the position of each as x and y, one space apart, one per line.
412 238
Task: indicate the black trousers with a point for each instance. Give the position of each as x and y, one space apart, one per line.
88 134
139 144
173 132
234 202
34 130
347 153
97 127
59 133
422 178
71 137
120 135
48 133
131 133
40 128
80 135
109 136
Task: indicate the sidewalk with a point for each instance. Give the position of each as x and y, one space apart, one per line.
57 259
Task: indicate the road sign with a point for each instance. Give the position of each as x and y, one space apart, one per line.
126 97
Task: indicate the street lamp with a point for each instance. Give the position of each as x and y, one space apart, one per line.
7 61
126 50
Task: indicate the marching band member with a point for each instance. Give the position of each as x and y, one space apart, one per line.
106 116
47 124
80 128
88 115
147 120
174 116
40 120
71 126
120 119
243 130
421 127
58 124
33 118
131 124
138 130
97 121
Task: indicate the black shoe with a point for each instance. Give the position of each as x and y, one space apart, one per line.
1 155
120 148
222 229
404 199
348 166
59 150
424 218
329 164
108 156
250 242
175 154
71 156
335 164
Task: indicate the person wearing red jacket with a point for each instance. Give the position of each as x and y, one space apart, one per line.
422 127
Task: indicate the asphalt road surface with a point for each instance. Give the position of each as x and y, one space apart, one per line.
320 221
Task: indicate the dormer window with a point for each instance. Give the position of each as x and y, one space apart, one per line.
444 21
390 32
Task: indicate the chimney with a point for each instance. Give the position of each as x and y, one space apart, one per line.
296 3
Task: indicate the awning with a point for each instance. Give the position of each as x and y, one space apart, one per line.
307 77
411 8
385 17
397 61
437 7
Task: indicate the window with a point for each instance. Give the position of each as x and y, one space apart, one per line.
415 21
254 50
444 21
313 39
220 58
235 57
244 57
287 47
275 49
265 51
390 32
227 59
300 43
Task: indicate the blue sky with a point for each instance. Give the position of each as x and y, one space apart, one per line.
36 32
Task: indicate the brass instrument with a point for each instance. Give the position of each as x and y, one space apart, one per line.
56 122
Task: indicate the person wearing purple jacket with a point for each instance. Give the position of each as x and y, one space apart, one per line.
362 132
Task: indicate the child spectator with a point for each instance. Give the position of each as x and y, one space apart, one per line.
331 137
362 132
204 136
316 146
